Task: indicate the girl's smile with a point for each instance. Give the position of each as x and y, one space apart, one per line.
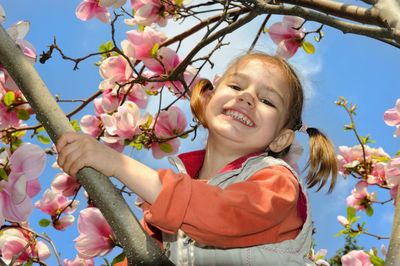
239 116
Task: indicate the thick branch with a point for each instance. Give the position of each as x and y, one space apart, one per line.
390 36
351 12
138 246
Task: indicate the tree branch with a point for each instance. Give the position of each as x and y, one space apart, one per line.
390 36
138 246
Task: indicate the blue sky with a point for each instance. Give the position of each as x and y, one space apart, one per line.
363 70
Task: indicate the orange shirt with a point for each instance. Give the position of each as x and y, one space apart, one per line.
267 208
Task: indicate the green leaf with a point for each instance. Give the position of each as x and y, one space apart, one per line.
265 30
3 174
154 50
166 147
75 125
341 232
376 261
369 210
23 114
353 220
151 92
308 47
118 258
105 47
136 145
351 213
9 98
44 222
40 129
397 153
43 139
141 28
149 121
28 263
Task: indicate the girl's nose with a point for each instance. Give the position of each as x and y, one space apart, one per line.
246 97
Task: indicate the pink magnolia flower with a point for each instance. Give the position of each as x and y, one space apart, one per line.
124 123
149 11
360 199
13 241
378 174
343 220
138 95
392 117
114 69
170 123
108 103
356 257
288 35
350 157
53 203
144 41
318 257
78 261
65 184
165 62
91 125
91 8
393 171
170 147
18 32
16 194
96 236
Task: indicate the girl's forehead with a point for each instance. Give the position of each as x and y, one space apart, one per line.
264 64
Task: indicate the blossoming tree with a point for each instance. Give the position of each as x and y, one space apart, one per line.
146 64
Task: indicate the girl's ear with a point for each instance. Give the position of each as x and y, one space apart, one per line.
283 140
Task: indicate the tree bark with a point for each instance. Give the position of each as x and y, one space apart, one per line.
138 246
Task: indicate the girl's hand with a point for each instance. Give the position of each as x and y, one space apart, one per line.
76 150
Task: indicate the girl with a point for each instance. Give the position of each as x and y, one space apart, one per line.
236 202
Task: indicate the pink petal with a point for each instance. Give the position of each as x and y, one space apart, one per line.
28 159
392 117
287 48
158 153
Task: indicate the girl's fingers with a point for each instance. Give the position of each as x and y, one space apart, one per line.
67 138
65 151
73 154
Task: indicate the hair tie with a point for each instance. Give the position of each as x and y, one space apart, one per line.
303 128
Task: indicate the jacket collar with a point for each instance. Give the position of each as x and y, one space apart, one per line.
193 161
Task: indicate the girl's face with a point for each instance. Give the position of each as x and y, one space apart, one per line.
248 109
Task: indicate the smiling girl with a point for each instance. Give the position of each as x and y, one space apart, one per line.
236 202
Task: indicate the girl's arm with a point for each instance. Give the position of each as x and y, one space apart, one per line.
76 151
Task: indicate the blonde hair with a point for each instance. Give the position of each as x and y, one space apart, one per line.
322 159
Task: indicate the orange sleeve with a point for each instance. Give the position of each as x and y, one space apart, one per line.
243 214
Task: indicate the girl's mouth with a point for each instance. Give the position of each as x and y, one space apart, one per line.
238 116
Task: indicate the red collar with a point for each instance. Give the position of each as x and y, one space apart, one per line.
193 161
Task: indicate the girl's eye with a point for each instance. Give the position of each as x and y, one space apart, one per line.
235 87
267 102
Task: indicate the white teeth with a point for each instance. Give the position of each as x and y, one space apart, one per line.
239 116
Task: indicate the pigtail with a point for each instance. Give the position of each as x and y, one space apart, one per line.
322 161
198 100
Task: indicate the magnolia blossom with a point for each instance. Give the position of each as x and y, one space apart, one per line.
14 240
392 117
16 194
343 220
165 62
144 41
78 261
350 157
148 12
96 236
356 257
91 125
360 199
170 123
65 184
18 32
108 103
288 35
92 8
138 95
53 203
124 123
318 257
115 70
